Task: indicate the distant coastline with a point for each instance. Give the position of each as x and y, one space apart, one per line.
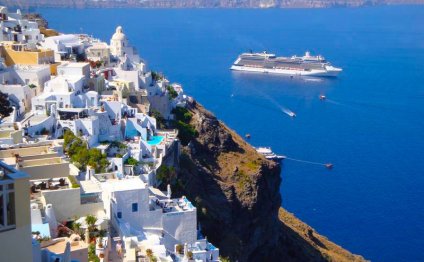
30 4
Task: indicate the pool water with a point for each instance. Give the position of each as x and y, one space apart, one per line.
154 140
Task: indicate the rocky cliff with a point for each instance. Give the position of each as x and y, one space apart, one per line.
236 191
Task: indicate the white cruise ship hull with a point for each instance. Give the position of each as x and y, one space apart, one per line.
329 71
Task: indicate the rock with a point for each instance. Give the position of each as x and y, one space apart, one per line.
239 188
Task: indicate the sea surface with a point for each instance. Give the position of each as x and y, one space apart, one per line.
370 127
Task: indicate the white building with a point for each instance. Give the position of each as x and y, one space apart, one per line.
14 28
74 69
98 51
146 218
64 46
129 65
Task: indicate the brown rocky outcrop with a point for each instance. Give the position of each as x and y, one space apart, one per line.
236 191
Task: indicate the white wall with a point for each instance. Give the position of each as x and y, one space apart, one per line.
181 225
67 204
37 76
124 201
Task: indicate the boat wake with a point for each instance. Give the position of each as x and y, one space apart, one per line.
312 79
334 102
282 108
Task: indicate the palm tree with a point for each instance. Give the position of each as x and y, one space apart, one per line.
76 227
91 220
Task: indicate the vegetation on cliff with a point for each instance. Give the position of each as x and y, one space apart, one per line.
186 131
81 155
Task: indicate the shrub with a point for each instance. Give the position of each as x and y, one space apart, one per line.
79 153
171 91
186 132
179 248
131 161
160 121
118 145
182 114
224 259
190 255
5 106
166 175
92 253
156 76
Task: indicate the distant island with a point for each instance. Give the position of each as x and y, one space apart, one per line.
27 4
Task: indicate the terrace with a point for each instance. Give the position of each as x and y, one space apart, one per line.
37 186
171 205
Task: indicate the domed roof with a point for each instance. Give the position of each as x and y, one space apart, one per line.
119 34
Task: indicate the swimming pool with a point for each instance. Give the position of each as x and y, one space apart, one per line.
154 140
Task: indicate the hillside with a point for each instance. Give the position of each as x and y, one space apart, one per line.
236 191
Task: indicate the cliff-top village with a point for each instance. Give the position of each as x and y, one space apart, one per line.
85 155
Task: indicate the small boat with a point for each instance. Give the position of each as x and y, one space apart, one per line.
247 135
322 97
267 152
292 114
329 165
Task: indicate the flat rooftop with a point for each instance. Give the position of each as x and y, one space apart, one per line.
73 64
31 156
60 245
116 184
89 186
30 68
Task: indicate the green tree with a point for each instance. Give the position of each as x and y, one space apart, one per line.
160 121
171 91
97 160
186 131
182 114
76 227
91 220
166 175
81 156
131 161
5 107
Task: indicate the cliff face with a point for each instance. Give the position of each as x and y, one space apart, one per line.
236 191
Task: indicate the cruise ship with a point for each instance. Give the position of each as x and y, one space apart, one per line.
307 65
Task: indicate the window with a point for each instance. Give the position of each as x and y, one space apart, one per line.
119 215
134 207
7 206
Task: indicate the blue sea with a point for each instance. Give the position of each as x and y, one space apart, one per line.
370 127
